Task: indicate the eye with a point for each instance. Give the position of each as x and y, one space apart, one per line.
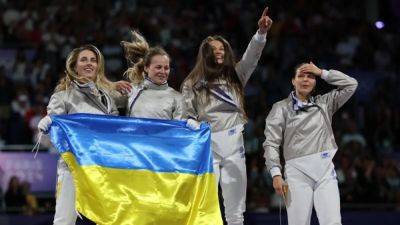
93 60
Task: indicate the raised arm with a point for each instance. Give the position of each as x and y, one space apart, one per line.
346 86
247 64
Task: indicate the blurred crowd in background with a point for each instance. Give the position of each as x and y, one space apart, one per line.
360 38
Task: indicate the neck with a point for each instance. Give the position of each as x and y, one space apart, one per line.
149 79
150 84
301 97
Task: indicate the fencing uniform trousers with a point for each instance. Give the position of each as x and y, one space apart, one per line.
305 192
65 198
230 171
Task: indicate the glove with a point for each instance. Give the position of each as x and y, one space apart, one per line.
44 124
193 124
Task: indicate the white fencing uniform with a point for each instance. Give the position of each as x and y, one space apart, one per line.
222 110
76 99
304 130
149 100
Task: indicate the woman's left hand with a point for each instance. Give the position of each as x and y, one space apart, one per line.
264 23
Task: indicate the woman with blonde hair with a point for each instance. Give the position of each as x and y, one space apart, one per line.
84 89
150 96
213 92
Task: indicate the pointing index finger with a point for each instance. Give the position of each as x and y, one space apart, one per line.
265 11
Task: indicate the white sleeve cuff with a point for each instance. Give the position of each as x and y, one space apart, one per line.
260 37
324 74
275 171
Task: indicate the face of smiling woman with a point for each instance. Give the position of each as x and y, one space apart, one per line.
86 65
158 69
219 51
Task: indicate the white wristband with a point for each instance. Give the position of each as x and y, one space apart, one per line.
275 171
324 74
260 37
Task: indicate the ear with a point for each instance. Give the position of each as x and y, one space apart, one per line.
293 79
146 69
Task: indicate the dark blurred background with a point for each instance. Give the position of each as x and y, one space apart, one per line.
359 37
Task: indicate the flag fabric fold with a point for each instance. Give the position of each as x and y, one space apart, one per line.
138 171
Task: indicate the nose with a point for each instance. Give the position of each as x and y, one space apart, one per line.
163 70
305 78
89 63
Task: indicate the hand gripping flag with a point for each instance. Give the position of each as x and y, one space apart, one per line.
130 171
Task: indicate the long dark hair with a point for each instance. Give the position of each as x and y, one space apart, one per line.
207 68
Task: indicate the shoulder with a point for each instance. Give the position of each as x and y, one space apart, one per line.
187 84
174 93
60 95
279 109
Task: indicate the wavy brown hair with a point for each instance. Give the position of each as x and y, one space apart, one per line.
70 73
207 68
138 53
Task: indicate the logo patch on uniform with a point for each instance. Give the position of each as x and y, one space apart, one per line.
325 155
231 132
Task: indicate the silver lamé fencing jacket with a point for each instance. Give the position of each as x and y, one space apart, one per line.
302 131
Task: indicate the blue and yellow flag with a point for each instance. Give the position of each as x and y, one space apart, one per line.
130 171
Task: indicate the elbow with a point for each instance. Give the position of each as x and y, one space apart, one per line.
354 85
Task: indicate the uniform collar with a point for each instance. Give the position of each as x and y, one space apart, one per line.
89 87
298 104
94 94
149 84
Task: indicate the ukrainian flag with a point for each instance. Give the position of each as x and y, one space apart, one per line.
138 171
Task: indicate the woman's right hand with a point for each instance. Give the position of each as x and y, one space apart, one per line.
193 124
123 87
44 124
277 183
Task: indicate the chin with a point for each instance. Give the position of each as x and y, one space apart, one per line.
305 93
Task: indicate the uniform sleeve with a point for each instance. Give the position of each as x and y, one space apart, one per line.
346 86
274 129
120 100
179 112
189 102
57 105
245 67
